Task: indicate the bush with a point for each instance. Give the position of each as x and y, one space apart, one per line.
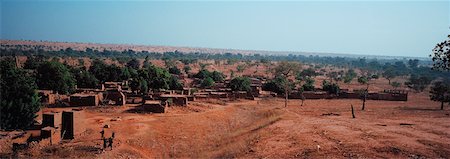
331 88
309 85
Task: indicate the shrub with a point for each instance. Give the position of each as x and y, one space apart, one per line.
331 88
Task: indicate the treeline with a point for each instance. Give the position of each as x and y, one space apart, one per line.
93 53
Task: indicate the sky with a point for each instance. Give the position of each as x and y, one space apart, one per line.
397 28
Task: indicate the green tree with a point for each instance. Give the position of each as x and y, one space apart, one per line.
396 84
134 85
19 102
84 78
174 70
364 93
175 84
217 76
187 69
440 92
125 73
278 84
143 86
55 76
158 78
349 76
309 84
33 62
286 70
417 82
389 73
106 73
332 88
441 55
133 63
240 84
240 68
202 74
413 64
147 62
207 82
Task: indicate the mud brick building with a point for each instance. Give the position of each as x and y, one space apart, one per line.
72 124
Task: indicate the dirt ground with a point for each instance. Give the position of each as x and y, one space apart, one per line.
265 129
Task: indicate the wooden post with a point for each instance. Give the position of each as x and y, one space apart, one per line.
286 93
353 112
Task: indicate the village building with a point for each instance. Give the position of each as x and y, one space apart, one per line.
84 99
72 123
114 97
175 99
154 106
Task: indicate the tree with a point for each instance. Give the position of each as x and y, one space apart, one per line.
84 79
363 80
217 76
202 74
277 85
143 86
203 66
389 73
133 63
417 82
332 88
174 70
349 76
125 73
240 84
440 92
175 84
33 62
207 82
157 78
413 63
240 68
134 85
231 74
441 55
309 84
139 84
286 69
105 73
187 69
55 76
147 62
19 102
396 84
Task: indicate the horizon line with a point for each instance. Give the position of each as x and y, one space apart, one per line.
267 52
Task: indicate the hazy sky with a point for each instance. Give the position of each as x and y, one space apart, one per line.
400 28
